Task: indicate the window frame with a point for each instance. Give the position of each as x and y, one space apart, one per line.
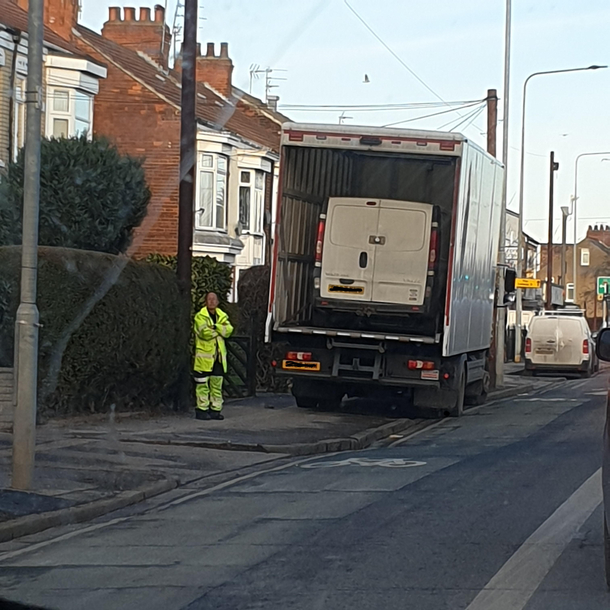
570 288
585 255
219 177
256 184
70 115
19 118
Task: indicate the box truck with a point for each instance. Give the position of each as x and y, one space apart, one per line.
384 263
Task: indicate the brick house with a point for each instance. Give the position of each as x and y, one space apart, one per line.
70 82
593 260
138 109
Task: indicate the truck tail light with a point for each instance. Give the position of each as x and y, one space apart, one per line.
585 346
298 356
432 257
320 240
528 346
425 365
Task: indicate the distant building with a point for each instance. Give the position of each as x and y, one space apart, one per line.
592 260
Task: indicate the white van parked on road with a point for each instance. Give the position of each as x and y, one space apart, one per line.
560 343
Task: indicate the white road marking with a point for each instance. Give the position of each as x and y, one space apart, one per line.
517 580
383 462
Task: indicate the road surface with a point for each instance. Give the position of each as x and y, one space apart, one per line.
499 510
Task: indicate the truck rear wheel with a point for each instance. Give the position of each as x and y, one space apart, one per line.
476 393
449 402
306 402
312 395
460 396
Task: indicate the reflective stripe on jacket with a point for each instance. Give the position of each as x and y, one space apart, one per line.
210 340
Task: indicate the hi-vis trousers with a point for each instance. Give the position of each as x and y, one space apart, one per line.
208 391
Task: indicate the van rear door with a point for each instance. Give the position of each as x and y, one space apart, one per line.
401 260
376 250
348 257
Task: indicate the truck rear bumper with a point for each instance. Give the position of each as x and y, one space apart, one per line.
344 379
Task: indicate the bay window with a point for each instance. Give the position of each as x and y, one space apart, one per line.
212 201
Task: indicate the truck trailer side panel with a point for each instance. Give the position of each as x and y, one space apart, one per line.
469 307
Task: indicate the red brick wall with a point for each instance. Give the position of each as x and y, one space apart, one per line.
144 126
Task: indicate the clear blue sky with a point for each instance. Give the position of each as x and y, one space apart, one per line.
457 48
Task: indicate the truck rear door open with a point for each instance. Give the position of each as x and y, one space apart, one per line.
376 250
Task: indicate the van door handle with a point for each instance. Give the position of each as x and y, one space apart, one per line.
364 259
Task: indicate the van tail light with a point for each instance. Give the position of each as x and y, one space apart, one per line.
433 256
528 346
320 240
585 346
298 356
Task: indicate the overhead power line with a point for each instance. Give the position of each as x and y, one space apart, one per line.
427 116
375 107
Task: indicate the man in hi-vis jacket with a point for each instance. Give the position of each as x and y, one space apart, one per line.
212 327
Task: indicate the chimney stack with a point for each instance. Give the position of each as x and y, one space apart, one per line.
145 35
600 233
59 15
216 71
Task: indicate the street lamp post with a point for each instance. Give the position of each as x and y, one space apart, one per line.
574 202
565 212
520 249
501 310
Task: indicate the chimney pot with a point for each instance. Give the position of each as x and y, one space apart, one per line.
144 14
198 49
210 50
114 13
224 50
159 13
130 13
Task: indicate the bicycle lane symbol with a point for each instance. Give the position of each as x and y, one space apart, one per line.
366 462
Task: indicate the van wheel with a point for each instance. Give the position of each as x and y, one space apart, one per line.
607 551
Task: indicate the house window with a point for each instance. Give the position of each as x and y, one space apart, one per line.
251 200
70 112
584 257
570 293
211 213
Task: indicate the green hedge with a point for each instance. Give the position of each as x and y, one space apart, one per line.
112 329
91 196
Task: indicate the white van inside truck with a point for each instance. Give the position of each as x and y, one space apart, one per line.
376 250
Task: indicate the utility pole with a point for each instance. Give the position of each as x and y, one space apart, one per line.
186 193
553 167
26 334
492 120
188 132
492 127
500 333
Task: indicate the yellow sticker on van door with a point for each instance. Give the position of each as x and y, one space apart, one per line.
336 288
